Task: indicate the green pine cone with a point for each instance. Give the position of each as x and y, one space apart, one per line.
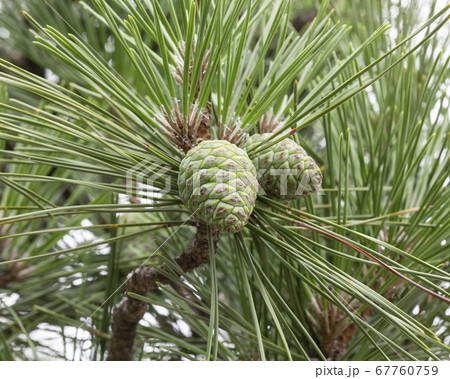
285 171
217 181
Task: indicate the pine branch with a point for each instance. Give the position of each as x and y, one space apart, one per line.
130 311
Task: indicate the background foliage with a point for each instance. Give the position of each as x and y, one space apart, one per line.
309 282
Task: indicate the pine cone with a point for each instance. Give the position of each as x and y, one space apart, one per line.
285 171
217 181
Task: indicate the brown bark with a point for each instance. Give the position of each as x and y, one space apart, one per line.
14 271
335 327
304 18
128 313
23 62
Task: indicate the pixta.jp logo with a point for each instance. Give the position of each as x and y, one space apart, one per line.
149 180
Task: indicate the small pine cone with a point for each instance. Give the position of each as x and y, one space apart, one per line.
285 171
217 181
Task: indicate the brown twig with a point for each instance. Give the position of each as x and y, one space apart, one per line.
187 131
128 313
269 123
178 72
303 18
375 259
184 131
12 272
232 132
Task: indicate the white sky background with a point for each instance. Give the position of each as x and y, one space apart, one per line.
52 334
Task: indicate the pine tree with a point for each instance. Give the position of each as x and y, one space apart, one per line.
101 250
